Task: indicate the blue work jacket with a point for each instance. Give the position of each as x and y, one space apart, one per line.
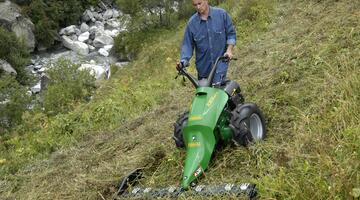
210 39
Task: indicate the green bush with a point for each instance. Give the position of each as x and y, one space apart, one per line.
67 87
127 44
13 102
49 16
147 21
15 53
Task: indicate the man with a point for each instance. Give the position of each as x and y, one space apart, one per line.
211 33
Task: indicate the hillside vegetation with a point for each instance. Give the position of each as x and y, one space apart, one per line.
298 60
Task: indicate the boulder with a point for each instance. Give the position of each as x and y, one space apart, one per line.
116 13
96 70
36 88
108 33
77 31
108 14
108 47
70 30
78 47
98 16
37 67
73 37
84 27
12 20
102 51
114 33
113 24
103 40
102 5
99 24
84 37
93 30
6 67
87 16
91 48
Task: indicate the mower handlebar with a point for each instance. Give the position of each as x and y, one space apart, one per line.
207 82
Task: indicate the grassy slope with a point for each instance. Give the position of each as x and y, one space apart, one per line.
302 71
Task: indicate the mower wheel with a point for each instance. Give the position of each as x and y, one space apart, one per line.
248 124
178 129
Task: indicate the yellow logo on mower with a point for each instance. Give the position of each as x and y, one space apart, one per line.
194 144
195 118
211 100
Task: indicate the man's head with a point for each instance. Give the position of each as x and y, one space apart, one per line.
201 6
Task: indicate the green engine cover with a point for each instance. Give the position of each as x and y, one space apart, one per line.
200 140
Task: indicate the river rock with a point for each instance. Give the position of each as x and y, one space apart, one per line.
12 20
68 30
98 16
36 88
116 13
108 14
76 46
5 66
96 70
87 16
84 37
113 24
84 27
102 51
108 47
103 40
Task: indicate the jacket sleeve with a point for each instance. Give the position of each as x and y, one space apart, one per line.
230 30
187 47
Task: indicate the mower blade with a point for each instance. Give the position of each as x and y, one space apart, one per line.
238 190
129 180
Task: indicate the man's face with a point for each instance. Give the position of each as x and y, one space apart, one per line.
201 6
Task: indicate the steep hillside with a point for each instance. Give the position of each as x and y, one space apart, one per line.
298 60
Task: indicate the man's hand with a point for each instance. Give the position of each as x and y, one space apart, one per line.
229 55
229 51
179 66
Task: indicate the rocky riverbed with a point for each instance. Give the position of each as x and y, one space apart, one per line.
89 44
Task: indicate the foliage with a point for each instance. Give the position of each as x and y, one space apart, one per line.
128 45
15 53
67 87
49 16
14 100
148 17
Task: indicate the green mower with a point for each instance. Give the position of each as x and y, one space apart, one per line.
218 116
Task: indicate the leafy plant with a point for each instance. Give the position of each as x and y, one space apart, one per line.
67 87
15 53
14 100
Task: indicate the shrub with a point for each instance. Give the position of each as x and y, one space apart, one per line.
67 87
148 18
15 53
13 101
